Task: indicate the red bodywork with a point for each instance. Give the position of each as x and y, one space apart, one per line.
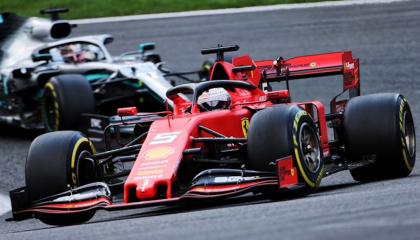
168 138
155 170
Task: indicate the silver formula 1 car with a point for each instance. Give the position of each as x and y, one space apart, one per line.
48 79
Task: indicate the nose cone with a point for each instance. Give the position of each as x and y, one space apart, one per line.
156 166
146 190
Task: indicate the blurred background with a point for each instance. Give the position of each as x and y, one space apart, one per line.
106 8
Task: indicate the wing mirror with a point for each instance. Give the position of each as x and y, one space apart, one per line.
143 47
108 40
127 111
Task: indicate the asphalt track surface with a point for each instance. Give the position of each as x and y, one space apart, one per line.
386 38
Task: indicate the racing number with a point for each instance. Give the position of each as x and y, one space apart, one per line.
164 138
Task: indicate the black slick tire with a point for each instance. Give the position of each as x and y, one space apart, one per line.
380 127
54 164
64 99
277 132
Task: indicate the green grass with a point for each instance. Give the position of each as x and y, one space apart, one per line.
105 8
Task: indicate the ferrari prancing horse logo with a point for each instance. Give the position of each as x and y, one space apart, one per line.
245 126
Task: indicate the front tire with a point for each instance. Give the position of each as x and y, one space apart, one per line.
380 127
55 163
282 131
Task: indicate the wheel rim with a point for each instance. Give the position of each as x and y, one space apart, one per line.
310 148
409 134
85 168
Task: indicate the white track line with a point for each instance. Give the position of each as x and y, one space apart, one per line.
233 10
4 204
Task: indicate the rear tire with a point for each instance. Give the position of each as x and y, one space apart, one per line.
380 127
54 164
65 98
281 131
204 73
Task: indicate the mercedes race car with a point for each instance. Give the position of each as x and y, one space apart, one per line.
225 137
48 79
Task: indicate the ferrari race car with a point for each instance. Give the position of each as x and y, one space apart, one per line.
48 80
235 135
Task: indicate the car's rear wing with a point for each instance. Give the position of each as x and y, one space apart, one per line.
339 63
260 73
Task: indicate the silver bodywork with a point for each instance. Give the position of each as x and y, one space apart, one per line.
18 49
34 37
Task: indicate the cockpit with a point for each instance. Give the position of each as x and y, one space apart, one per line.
76 52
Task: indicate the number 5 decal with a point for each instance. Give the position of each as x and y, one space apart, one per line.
164 138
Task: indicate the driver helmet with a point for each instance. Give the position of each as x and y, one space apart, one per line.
213 99
72 53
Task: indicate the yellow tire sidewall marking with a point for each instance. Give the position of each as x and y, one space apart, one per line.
404 146
74 156
297 155
50 86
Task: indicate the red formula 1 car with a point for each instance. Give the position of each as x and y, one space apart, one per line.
235 135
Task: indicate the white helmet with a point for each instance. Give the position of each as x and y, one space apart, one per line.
213 99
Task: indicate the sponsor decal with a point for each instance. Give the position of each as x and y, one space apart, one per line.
149 172
153 163
148 177
313 64
262 98
95 123
151 167
348 65
245 126
234 179
299 66
158 153
144 185
243 92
